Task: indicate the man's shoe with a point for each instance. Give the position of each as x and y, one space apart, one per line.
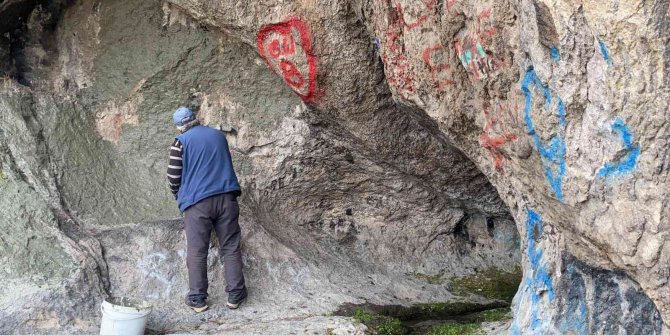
236 298
197 303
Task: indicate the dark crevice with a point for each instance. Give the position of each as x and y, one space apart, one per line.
17 59
17 21
490 226
461 229
13 14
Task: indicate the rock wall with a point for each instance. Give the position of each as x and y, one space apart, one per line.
378 143
562 106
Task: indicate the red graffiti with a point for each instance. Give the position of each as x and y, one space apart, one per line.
294 61
450 4
422 18
291 74
436 69
472 47
497 130
484 27
286 47
395 60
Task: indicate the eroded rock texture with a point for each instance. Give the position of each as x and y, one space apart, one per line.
379 143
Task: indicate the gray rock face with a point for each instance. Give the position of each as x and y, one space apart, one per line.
378 144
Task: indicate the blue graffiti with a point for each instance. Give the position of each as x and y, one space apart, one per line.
539 280
555 55
536 279
605 52
553 155
628 162
468 57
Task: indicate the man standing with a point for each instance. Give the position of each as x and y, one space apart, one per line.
201 177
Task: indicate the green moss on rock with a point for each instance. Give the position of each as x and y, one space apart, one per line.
379 324
467 311
493 315
363 316
491 283
458 317
451 308
457 329
472 323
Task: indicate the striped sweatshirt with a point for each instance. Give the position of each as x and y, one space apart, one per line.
175 167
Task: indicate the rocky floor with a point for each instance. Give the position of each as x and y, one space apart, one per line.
284 290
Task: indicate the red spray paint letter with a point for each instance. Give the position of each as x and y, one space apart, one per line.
436 69
286 48
497 132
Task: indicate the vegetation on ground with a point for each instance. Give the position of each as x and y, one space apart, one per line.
491 283
457 329
462 318
474 326
451 308
379 324
493 315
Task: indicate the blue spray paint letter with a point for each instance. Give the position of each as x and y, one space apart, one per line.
539 280
536 279
553 154
628 162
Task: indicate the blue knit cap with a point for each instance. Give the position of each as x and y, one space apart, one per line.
182 116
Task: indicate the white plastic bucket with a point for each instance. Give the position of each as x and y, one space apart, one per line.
123 316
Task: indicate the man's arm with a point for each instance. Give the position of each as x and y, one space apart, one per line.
174 167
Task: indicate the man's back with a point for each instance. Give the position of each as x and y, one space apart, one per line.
201 176
207 167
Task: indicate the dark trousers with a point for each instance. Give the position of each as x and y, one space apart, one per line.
221 213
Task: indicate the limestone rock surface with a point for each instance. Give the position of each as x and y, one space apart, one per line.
385 149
